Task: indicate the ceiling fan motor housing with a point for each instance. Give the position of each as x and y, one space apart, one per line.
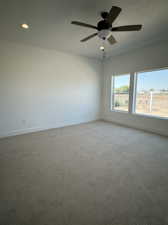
103 25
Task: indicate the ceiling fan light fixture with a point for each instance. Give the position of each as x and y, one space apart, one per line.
103 34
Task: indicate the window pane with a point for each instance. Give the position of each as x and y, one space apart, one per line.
121 92
152 93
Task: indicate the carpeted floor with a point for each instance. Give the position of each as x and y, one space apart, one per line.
90 174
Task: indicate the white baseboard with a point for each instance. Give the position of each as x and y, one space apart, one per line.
21 131
51 126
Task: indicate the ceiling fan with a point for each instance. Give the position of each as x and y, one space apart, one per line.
104 27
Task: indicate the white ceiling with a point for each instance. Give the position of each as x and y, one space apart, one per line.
50 23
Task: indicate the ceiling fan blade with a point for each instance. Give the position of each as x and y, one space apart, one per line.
89 37
83 24
113 14
128 28
111 40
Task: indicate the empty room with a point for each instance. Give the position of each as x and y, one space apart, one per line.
83 112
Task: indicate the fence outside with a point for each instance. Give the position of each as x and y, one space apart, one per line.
154 103
151 103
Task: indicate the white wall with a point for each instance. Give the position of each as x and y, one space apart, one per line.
41 89
151 57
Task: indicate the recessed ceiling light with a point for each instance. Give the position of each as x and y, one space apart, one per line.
102 48
25 26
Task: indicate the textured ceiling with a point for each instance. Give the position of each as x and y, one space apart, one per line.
50 23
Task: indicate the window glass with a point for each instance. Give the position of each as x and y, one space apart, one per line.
120 92
152 93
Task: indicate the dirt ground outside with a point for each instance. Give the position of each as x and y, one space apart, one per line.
146 103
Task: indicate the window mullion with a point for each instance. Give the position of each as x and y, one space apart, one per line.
112 92
132 92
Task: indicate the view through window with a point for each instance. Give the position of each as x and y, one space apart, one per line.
152 93
120 92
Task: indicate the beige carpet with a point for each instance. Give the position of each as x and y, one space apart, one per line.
90 174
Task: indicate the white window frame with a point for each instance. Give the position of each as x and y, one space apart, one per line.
132 94
112 94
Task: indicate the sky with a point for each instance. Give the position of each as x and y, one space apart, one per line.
156 80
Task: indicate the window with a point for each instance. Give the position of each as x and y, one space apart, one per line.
141 93
152 93
120 92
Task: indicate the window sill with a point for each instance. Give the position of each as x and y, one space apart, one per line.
120 111
150 116
140 114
